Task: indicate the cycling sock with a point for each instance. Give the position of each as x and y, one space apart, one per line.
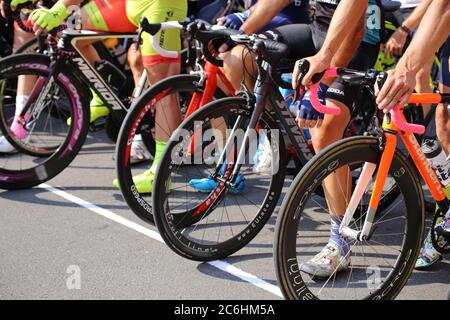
96 100
335 237
160 146
21 101
18 130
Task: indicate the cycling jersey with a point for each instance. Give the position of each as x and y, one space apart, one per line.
325 10
124 16
296 12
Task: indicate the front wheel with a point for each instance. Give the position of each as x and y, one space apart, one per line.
202 210
46 141
375 268
140 119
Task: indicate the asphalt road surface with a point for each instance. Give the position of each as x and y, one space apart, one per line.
75 238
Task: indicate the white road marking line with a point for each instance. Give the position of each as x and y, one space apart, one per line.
219 264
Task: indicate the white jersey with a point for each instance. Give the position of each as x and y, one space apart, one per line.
410 3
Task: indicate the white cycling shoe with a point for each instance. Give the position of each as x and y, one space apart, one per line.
5 146
263 157
139 151
327 262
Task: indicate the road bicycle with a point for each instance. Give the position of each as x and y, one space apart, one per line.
384 244
213 225
55 121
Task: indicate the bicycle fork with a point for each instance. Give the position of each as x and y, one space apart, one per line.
260 92
37 97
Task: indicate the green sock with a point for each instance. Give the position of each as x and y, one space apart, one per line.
447 191
160 146
96 100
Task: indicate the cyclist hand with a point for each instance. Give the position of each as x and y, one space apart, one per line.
307 116
234 20
230 44
318 63
397 89
396 43
48 19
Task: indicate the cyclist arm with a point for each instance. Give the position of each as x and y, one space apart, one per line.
413 21
432 32
397 41
262 13
345 20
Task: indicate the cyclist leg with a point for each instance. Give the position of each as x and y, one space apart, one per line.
24 86
428 254
338 186
102 16
442 115
298 37
135 61
239 67
168 113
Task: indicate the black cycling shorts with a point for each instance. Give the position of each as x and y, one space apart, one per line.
444 71
305 40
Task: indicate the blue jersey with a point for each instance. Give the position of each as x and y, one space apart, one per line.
296 12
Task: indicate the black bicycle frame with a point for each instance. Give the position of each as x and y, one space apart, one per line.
265 88
80 68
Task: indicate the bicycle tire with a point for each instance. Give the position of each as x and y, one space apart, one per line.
172 227
39 65
363 149
30 46
138 111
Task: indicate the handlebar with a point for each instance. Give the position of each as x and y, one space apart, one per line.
153 29
202 35
370 76
402 124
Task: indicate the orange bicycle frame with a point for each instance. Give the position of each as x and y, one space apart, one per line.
424 167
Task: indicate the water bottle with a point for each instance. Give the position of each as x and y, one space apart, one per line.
438 159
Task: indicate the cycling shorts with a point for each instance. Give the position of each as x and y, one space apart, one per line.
124 16
444 71
305 41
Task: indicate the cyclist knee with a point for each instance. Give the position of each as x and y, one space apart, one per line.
234 67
